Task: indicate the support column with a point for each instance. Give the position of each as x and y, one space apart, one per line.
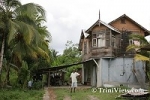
82 74
99 78
48 78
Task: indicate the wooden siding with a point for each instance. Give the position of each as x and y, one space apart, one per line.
126 29
121 40
128 26
97 52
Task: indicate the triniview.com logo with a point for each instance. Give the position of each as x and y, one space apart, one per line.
116 90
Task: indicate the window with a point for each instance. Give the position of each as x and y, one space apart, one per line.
113 41
134 42
123 21
94 42
131 42
98 39
85 47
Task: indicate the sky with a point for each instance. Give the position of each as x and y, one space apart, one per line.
67 18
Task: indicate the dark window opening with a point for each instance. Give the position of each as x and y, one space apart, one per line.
123 21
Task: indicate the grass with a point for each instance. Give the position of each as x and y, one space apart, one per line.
84 94
20 94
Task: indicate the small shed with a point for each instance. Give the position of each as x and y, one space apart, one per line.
55 75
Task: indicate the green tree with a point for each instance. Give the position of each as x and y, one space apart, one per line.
23 35
70 55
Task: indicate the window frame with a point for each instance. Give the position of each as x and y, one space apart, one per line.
98 36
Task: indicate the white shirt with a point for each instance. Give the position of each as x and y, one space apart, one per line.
74 76
30 83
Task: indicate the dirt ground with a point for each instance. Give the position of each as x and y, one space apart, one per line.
92 97
67 98
50 95
46 95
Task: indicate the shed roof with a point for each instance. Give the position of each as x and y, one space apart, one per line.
55 68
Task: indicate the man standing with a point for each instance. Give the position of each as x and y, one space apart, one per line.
30 85
73 77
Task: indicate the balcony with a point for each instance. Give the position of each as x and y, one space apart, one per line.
98 53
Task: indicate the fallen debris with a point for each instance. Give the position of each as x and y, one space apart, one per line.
136 93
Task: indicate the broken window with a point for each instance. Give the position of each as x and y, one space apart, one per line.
134 41
98 39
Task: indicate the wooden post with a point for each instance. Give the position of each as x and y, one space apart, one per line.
48 78
99 77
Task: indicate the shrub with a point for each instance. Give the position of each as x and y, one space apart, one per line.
37 85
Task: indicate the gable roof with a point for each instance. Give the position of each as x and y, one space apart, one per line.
105 24
124 15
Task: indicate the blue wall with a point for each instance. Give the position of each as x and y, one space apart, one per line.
120 70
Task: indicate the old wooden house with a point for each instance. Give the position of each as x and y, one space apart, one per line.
104 47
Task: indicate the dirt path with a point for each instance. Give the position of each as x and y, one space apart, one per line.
46 95
92 97
52 94
67 98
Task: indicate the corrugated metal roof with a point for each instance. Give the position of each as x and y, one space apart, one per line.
55 68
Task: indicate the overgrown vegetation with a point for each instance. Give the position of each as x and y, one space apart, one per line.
20 94
24 42
142 51
70 55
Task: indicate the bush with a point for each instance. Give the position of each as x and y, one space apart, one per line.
21 94
37 85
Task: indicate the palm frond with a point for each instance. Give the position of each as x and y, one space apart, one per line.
26 10
14 3
12 30
141 57
42 52
14 67
139 37
132 47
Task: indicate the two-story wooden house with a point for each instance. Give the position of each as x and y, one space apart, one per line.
104 47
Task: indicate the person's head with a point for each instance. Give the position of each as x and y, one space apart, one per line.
74 70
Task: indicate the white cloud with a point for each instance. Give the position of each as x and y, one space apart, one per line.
66 18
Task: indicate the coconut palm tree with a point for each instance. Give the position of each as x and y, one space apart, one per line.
141 52
21 31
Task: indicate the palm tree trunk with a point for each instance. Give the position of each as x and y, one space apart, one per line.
1 55
7 76
1 60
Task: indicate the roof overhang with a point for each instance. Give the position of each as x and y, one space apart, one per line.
99 22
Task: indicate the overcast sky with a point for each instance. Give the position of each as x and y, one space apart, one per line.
66 18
